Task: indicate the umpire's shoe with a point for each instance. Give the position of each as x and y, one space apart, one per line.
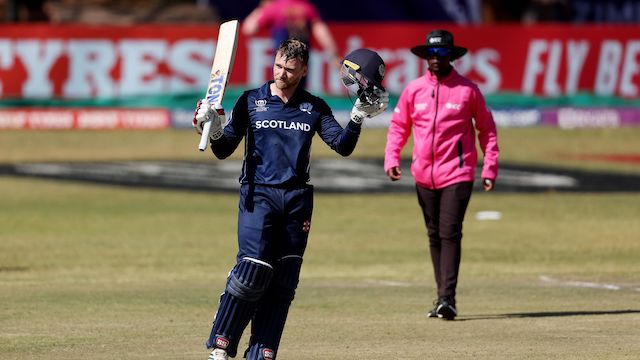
218 354
447 308
433 313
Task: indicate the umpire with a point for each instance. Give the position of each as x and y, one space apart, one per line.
278 121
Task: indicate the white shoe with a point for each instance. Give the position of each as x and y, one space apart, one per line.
218 354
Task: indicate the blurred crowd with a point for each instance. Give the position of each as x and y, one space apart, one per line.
207 11
115 12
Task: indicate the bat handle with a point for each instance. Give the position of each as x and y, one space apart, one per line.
204 139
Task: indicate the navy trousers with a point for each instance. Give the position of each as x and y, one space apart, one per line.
273 229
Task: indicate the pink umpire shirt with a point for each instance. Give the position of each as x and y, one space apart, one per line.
443 117
288 14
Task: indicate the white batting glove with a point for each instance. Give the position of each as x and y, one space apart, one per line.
206 112
362 110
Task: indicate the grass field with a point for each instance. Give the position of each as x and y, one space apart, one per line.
533 146
100 272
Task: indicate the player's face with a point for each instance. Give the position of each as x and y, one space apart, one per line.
287 73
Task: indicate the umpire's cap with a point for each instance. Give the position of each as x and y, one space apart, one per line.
439 38
368 63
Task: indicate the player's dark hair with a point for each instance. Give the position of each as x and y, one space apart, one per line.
294 49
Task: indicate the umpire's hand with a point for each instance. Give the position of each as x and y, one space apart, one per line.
488 184
394 173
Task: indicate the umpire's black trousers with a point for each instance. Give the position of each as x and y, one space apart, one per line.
443 211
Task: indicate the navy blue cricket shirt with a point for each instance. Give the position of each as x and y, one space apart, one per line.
278 135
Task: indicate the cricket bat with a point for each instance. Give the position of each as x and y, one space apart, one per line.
220 70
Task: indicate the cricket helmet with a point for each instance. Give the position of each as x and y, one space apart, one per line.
362 71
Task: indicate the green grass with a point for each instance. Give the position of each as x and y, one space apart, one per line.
102 272
532 146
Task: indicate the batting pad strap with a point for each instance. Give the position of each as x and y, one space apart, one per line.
286 277
249 279
257 261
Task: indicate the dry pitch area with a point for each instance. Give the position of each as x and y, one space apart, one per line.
103 272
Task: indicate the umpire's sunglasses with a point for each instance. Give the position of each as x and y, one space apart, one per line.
438 51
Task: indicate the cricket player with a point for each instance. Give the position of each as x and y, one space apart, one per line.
278 121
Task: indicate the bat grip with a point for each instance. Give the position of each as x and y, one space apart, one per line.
204 138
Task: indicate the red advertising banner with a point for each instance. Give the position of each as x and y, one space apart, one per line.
103 62
85 119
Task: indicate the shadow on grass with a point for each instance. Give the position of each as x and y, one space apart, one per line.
13 268
546 314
